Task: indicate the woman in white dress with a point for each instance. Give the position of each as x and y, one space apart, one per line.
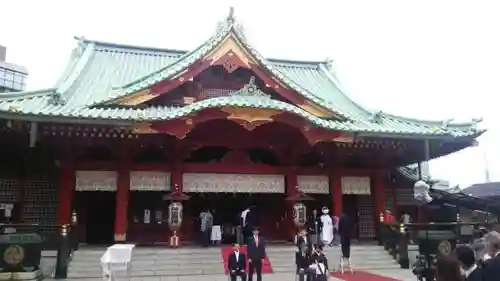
327 227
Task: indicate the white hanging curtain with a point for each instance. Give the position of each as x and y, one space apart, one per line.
149 181
96 180
313 184
239 183
356 185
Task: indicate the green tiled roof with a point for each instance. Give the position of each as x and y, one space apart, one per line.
98 72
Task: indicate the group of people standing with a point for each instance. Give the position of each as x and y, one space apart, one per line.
256 251
212 230
320 231
310 260
468 264
330 230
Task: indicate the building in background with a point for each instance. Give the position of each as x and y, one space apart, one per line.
12 76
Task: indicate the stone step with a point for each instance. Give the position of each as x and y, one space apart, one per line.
86 267
146 273
147 262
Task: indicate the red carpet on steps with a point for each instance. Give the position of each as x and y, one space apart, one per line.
227 250
361 276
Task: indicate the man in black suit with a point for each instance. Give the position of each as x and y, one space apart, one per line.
491 267
467 258
236 264
256 250
304 240
344 231
303 261
314 226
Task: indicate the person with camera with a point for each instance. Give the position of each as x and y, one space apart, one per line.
304 239
319 263
303 261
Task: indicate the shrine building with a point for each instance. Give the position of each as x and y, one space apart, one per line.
125 125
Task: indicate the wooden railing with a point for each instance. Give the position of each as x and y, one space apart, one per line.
395 240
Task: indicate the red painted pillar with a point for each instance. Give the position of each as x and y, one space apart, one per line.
379 182
122 195
394 199
291 190
336 192
66 186
176 178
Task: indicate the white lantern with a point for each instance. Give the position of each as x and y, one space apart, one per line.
175 216
299 214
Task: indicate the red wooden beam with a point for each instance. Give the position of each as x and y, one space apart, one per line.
165 86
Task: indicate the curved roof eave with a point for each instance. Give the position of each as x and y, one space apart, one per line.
152 114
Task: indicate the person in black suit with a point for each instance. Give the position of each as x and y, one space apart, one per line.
491 267
467 258
345 235
303 261
314 226
304 240
256 250
249 220
344 231
236 264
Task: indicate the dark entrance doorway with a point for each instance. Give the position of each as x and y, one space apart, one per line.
97 209
227 207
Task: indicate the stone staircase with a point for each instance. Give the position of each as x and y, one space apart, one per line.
364 257
152 262
156 261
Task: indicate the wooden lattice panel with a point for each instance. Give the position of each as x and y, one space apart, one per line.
366 217
405 196
214 93
10 189
40 202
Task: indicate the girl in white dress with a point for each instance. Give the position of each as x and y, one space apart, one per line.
327 229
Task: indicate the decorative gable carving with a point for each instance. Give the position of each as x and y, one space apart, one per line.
251 90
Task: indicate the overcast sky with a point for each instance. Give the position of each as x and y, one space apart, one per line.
427 59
